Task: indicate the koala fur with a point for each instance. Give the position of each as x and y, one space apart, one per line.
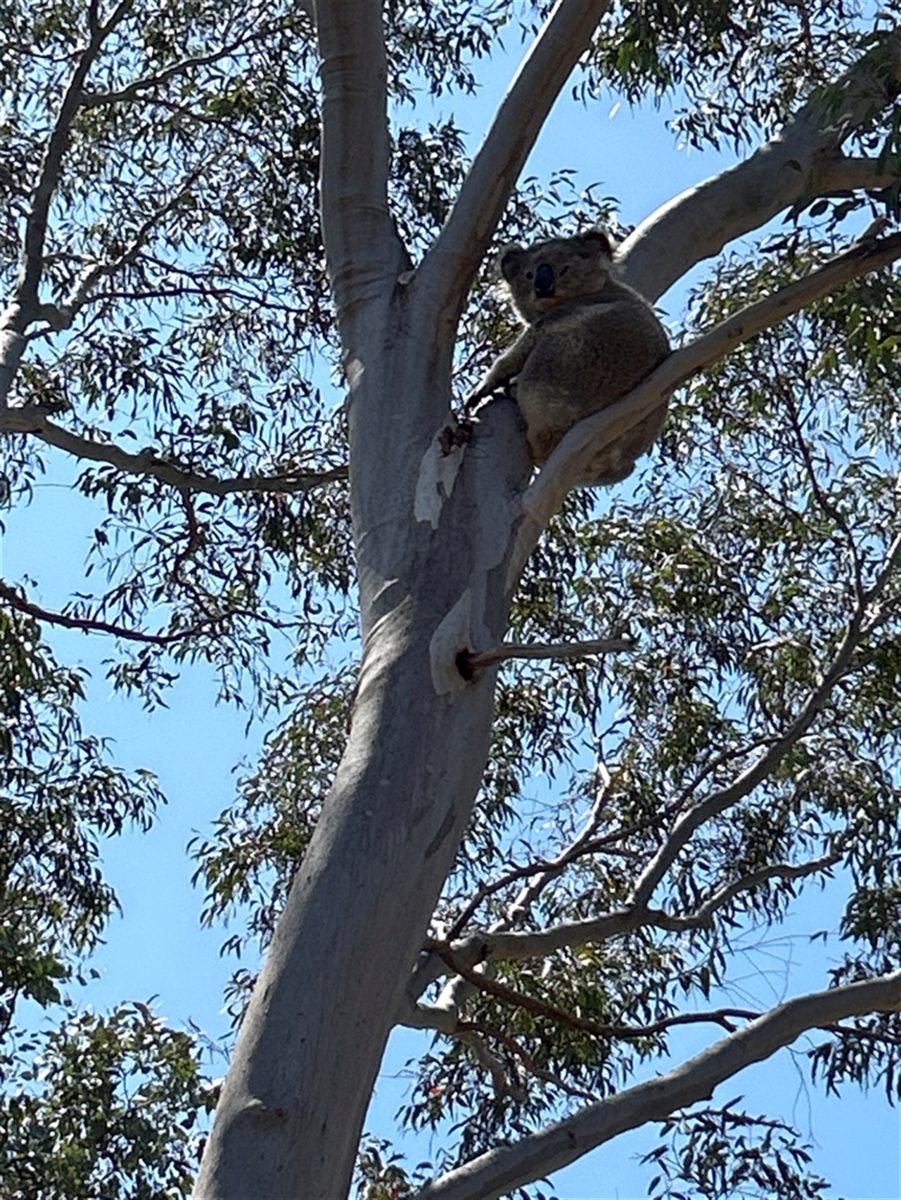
588 340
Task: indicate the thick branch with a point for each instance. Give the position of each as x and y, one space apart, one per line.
33 420
515 946
801 162
545 495
450 265
361 244
535 1156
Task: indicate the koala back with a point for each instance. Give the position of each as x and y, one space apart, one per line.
587 356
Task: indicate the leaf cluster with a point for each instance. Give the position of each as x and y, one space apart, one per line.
107 1107
59 794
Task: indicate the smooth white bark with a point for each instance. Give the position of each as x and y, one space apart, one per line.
536 1155
803 161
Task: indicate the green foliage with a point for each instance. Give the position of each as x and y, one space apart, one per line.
718 1154
738 566
102 1108
188 196
58 796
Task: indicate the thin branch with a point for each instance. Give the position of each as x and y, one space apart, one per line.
134 90
499 1077
23 309
602 1029
34 420
95 625
585 843
534 1156
48 180
540 874
62 316
546 493
92 624
825 504
505 650
705 913
528 1061
449 267
518 945
511 996
767 762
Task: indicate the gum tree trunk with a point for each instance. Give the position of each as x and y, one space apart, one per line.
441 534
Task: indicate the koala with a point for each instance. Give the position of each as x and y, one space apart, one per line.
588 340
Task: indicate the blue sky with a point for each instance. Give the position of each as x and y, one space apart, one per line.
157 948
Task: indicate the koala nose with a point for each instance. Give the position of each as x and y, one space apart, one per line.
544 280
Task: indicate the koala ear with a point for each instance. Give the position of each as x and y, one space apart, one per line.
597 241
507 258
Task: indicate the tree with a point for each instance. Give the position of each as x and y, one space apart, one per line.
183 252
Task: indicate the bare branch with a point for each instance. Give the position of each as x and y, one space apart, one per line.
800 162
602 1029
449 267
505 650
34 420
546 493
537 1155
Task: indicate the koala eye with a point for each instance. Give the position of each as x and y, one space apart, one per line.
530 274
564 269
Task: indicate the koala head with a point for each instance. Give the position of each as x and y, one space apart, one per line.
549 273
